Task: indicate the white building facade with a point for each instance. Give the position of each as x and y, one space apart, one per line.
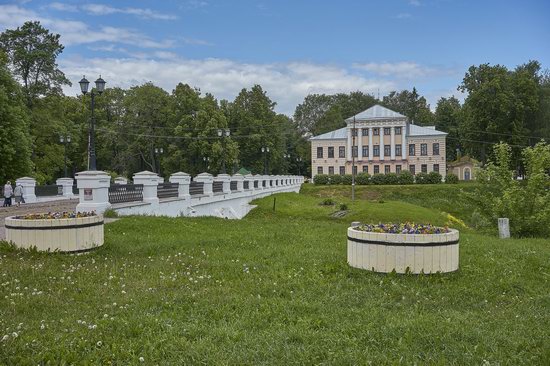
382 141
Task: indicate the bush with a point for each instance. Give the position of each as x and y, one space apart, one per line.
327 202
421 178
320 179
405 177
451 178
434 178
391 178
343 207
378 179
362 179
335 179
110 213
346 179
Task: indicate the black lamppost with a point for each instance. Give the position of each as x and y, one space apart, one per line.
223 133
206 160
65 140
265 150
299 163
100 87
287 157
159 151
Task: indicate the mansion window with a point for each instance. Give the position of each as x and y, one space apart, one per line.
354 170
354 151
398 150
398 130
342 170
365 132
398 169
424 168
354 132
436 168
376 169
387 130
331 170
387 150
412 169
376 150
365 168
412 150
320 153
435 148
423 149
386 169
341 151
319 170
365 151
330 152
376 131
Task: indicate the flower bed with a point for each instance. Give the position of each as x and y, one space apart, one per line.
56 231
403 248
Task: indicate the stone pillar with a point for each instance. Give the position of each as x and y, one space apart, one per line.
239 178
183 180
250 179
28 185
121 180
349 143
150 183
404 147
226 180
207 179
359 143
259 178
504 228
392 144
93 187
67 185
370 144
381 144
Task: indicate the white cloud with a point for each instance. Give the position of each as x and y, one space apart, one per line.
404 70
100 9
196 41
287 84
414 2
403 16
63 7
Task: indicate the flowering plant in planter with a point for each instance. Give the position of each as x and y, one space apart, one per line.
55 215
403 228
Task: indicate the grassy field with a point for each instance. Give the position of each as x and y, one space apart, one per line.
274 288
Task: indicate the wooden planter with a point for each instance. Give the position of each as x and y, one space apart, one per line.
413 253
64 235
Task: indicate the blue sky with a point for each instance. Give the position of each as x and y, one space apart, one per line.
291 48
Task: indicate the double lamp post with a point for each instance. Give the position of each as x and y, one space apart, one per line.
100 87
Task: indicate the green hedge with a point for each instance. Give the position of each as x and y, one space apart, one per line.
405 177
451 178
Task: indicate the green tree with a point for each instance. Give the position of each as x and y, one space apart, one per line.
14 132
447 117
32 51
410 104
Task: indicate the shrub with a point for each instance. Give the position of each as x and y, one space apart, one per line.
451 178
320 179
327 202
434 178
405 177
110 213
335 179
421 178
362 179
378 179
343 207
391 178
346 179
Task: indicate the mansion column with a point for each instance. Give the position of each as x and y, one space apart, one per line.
349 144
404 147
381 143
392 144
370 144
359 143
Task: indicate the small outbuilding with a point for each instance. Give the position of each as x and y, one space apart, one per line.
463 168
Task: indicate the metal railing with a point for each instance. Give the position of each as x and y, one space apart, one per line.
121 193
233 186
196 188
217 187
246 184
48 190
75 189
167 190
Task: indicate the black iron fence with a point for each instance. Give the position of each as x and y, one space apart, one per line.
75 189
121 193
233 186
48 190
246 184
196 188
217 187
167 190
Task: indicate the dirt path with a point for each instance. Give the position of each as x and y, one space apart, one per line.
62 205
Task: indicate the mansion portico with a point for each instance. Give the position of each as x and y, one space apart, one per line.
382 141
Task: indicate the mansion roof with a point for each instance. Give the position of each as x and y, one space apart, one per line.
374 113
414 131
332 135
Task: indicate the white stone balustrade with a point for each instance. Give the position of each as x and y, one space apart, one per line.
121 180
28 184
93 188
239 178
150 183
226 180
183 180
67 186
250 179
207 180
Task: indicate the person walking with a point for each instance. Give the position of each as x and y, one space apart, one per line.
8 192
18 194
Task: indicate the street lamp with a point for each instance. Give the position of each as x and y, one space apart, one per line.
286 156
299 163
265 151
223 133
100 87
206 160
65 140
159 151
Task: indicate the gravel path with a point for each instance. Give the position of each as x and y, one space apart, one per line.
62 205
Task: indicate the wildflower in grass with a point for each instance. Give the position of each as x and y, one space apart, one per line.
99 343
141 359
5 337
15 335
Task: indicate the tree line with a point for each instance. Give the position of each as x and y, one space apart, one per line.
134 125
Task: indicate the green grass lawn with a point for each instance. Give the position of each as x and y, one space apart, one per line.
274 288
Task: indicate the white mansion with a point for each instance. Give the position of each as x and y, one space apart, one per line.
383 141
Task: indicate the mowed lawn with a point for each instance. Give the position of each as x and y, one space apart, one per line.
274 288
